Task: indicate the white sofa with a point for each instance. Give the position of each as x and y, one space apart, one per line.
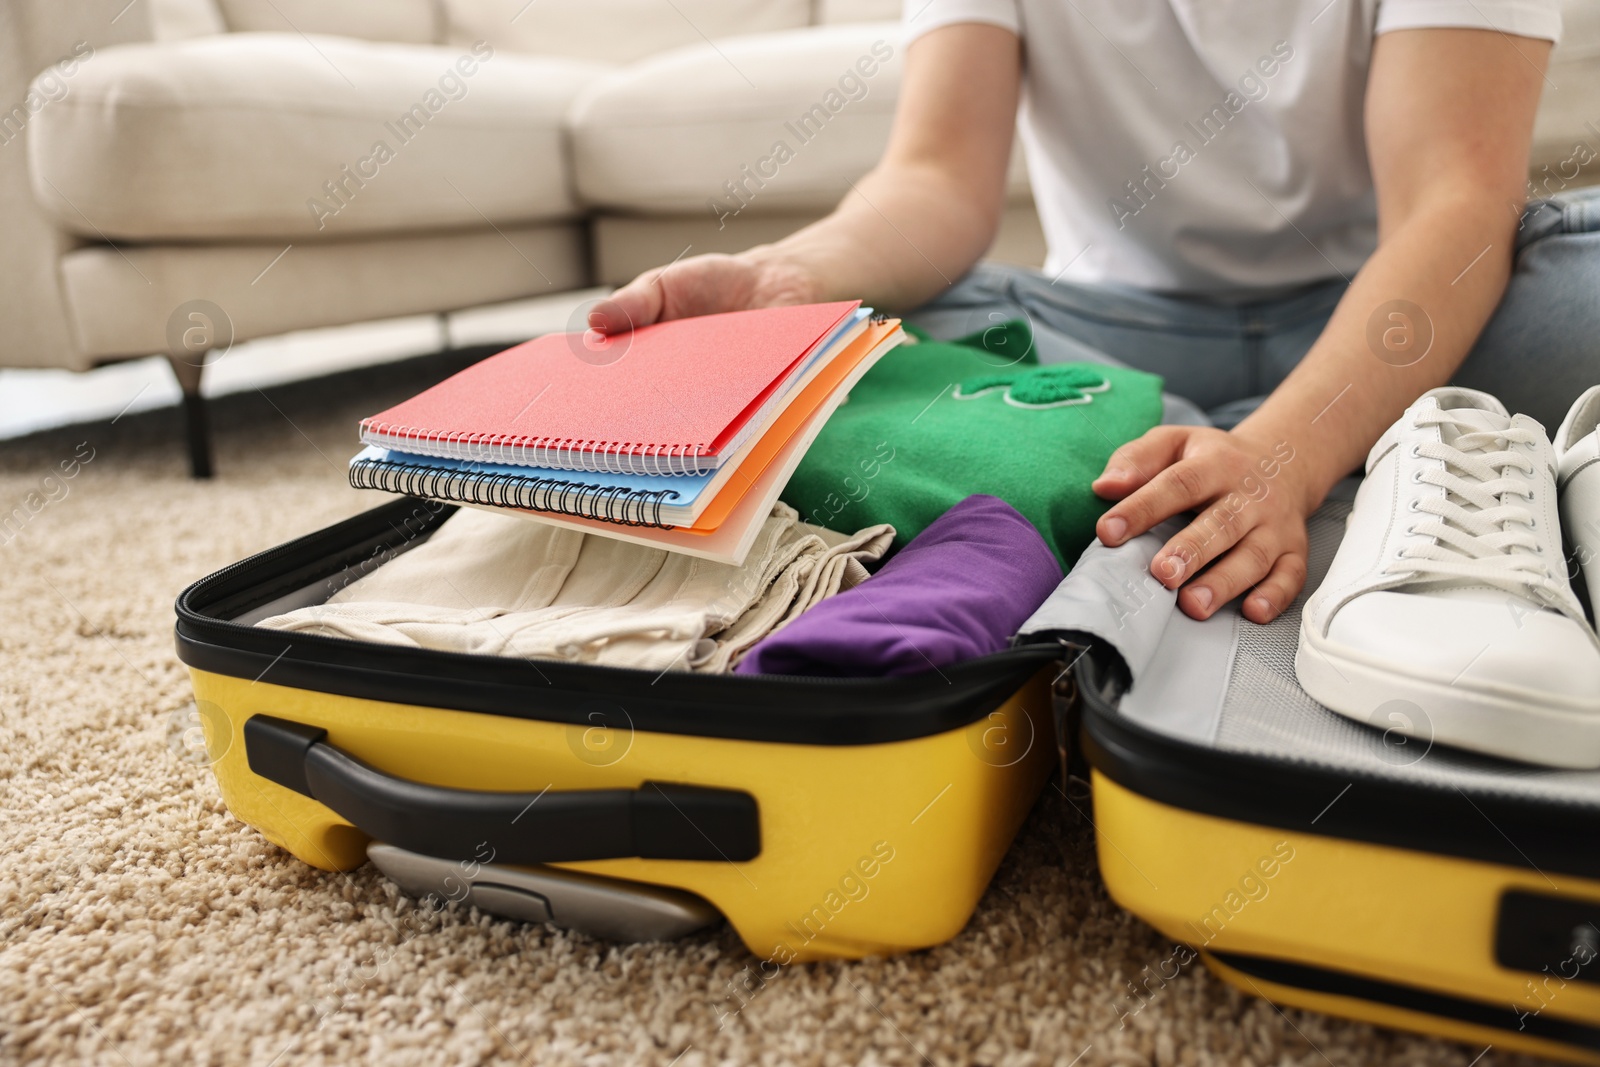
176 174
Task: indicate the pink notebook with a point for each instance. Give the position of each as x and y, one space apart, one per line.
673 398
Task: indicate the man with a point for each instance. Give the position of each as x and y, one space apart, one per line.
1317 199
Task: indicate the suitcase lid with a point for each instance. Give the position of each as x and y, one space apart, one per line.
215 633
1209 717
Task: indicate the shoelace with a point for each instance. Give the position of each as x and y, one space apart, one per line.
1478 531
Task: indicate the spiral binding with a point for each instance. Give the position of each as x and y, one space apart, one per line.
614 504
561 453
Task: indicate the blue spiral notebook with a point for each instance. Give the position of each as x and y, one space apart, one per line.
629 499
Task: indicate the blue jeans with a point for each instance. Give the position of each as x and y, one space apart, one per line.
1539 351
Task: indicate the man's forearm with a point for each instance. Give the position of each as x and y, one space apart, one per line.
1404 326
901 236
930 209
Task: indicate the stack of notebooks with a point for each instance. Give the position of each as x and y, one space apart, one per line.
679 435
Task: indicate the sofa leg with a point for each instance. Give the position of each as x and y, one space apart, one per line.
197 426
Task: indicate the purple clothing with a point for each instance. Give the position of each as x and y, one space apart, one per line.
959 590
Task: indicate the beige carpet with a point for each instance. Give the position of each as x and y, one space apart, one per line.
141 924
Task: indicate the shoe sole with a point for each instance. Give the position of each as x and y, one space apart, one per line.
1527 728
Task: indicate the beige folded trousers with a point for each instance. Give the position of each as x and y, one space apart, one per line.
505 585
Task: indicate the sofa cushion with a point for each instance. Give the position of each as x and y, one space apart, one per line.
176 20
397 21
832 11
120 301
774 122
613 31
257 135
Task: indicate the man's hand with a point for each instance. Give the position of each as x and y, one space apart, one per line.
1252 501
704 285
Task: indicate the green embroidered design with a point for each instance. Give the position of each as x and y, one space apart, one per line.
1056 386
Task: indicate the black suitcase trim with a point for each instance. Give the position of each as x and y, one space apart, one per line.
813 711
1411 998
1510 831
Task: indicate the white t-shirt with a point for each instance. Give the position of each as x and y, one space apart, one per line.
1207 146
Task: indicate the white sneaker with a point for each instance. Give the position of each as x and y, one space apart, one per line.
1578 456
1446 615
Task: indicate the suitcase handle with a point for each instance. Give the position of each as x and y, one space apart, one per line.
656 821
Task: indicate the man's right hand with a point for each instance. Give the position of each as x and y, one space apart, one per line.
704 285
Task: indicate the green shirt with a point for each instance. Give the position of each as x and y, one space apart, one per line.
936 421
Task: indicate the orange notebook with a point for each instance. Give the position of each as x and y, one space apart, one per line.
809 411
676 397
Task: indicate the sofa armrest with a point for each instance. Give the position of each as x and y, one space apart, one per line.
36 35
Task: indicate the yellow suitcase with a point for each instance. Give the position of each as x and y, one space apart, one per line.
821 817
1315 861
